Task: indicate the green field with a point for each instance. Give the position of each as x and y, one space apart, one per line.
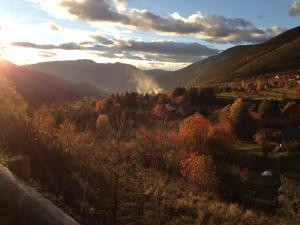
260 191
276 93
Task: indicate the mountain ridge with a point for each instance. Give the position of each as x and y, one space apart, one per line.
187 75
110 77
40 88
279 54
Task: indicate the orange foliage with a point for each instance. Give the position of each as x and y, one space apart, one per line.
199 169
148 141
298 90
80 144
158 147
255 115
157 110
179 99
193 131
224 113
45 130
99 105
260 137
103 125
245 173
267 135
235 107
260 86
221 138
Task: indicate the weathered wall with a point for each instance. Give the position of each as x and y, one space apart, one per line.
30 206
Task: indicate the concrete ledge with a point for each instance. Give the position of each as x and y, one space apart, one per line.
30 206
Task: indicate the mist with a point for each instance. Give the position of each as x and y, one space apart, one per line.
145 84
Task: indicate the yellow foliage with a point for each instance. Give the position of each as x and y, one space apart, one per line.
103 125
14 120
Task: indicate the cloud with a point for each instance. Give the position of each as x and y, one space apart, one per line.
166 47
102 40
46 54
95 10
54 27
220 29
168 51
213 28
295 8
150 57
146 20
64 46
32 45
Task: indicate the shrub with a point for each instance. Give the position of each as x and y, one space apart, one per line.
298 90
159 148
221 139
179 91
292 111
241 120
44 125
14 121
224 114
157 110
199 169
267 135
269 108
193 131
103 126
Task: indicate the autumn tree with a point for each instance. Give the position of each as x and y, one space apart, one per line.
102 125
191 97
157 110
107 105
199 169
14 121
193 131
155 145
221 139
269 108
241 120
179 91
260 86
298 90
224 114
45 127
99 105
207 95
292 111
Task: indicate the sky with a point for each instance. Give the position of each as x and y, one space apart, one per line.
150 34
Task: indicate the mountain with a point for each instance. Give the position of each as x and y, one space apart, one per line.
280 54
40 88
189 74
112 78
156 72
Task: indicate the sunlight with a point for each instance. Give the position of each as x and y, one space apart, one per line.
20 56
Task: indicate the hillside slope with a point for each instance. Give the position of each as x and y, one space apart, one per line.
189 74
39 88
279 54
156 72
111 78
